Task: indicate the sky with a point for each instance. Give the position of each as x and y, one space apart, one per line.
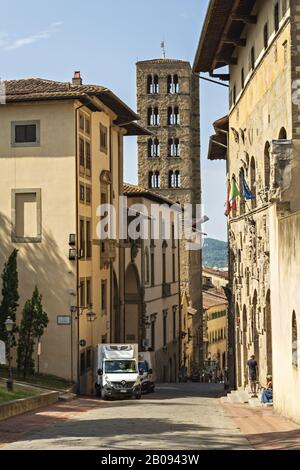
104 39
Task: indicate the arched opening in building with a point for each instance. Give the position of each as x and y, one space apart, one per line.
238 344
295 352
153 117
174 179
154 179
268 328
267 165
153 148
116 311
282 134
133 306
173 84
245 344
152 84
253 182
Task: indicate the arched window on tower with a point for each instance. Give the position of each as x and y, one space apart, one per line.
295 359
173 84
153 117
153 148
173 147
173 116
154 179
174 179
152 84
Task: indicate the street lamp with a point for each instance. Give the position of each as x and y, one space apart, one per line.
91 317
9 325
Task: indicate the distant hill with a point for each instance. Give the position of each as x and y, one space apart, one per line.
215 254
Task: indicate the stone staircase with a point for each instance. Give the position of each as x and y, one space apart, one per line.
242 396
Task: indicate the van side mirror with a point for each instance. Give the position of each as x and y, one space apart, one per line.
141 372
100 372
150 371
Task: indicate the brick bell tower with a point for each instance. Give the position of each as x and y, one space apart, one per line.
169 160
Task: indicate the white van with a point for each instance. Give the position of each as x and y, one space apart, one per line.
116 371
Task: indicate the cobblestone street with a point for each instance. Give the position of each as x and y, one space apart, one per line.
185 416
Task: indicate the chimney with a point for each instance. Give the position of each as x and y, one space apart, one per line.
77 80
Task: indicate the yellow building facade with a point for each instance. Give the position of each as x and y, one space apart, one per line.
61 156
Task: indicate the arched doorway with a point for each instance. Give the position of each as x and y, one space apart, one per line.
245 344
133 306
268 326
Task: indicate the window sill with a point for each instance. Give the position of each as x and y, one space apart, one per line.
15 239
25 144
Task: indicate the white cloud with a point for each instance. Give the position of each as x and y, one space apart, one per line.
7 44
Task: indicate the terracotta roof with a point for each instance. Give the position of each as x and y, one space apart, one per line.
216 272
220 24
164 61
38 89
134 190
213 299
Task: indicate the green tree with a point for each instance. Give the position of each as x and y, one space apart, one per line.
10 296
33 324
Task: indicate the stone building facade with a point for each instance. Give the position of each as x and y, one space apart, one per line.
169 164
259 41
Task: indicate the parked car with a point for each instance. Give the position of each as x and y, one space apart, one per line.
146 372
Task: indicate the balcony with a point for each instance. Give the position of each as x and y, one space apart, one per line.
108 253
166 290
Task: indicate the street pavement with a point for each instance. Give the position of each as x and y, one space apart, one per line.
182 416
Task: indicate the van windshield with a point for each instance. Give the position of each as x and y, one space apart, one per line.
120 367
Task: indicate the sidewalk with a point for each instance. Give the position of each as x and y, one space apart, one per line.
19 427
264 428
